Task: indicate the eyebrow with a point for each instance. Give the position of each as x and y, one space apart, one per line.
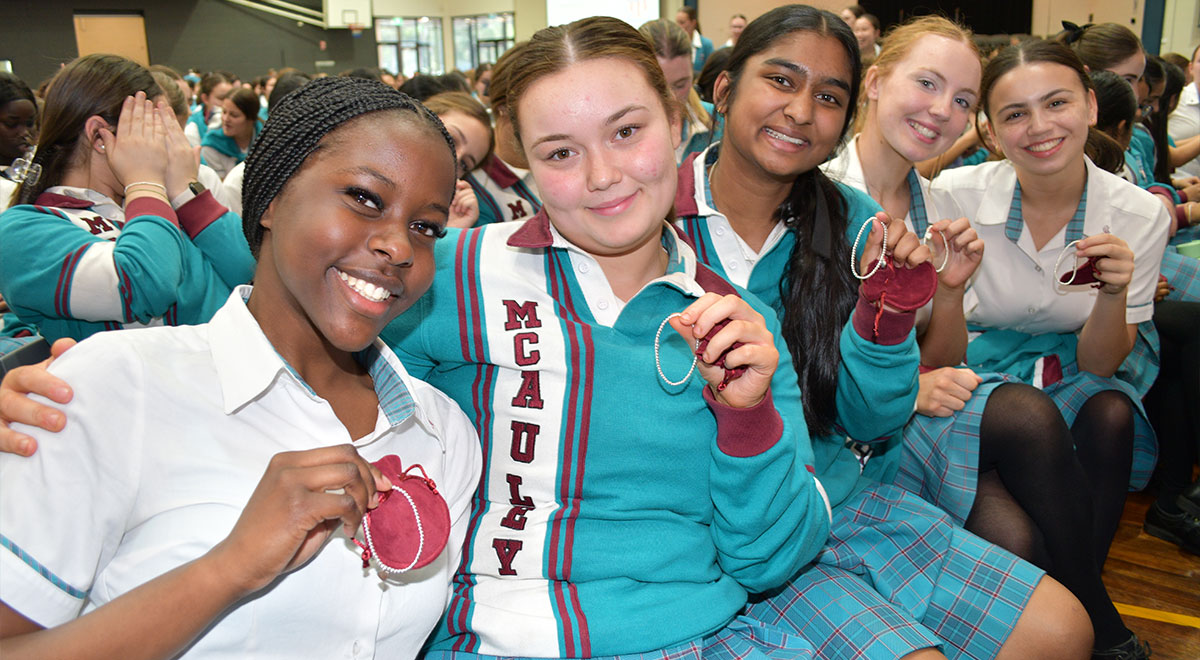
371 172
613 118
804 71
458 135
1043 98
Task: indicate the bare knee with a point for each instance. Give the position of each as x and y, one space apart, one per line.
1053 625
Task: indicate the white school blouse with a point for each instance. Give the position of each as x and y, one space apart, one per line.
1184 123
846 167
168 434
1015 286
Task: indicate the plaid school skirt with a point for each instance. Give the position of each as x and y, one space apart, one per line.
1183 273
939 459
898 575
743 639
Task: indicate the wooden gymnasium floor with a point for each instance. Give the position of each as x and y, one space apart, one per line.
1155 585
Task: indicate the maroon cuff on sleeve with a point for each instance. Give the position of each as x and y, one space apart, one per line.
886 328
1164 190
745 432
1181 219
196 215
1182 196
150 206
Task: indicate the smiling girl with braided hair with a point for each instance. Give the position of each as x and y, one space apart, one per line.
171 539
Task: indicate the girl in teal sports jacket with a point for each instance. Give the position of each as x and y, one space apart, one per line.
111 230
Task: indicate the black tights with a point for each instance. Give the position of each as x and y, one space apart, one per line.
1036 491
1172 402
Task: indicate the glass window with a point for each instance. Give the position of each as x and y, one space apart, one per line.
410 44
481 38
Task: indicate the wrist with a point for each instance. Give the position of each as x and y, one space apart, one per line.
719 397
211 575
221 572
947 293
176 189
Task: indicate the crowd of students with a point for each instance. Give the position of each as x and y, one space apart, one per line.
919 405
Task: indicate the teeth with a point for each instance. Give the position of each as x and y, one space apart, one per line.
365 289
786 138
1045 146
923 131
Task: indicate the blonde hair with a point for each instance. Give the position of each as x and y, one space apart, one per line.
670 41
440 104
899 43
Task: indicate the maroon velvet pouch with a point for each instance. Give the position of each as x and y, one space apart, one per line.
1085 274
903 289
411 525
730 374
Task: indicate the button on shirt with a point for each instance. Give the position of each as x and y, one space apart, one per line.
168 434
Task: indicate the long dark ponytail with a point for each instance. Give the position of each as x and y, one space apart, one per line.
1157 121
817 291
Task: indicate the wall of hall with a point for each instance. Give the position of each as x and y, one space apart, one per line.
1180 31
1048 15
39 35
714 14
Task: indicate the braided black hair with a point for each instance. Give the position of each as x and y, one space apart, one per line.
296 127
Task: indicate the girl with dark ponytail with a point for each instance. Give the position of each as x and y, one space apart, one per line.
112 228
762 213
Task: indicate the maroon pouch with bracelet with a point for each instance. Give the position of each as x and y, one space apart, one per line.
1085 274
411 525
903 289
730 373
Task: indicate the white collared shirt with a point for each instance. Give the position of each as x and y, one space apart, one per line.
605 306
735 254
168 434
846 167
1015 286
1184 123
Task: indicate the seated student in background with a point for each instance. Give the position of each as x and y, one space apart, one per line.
503 185
18 119
204 174
210 94
171 539
688 19
470 125
674 54
115 231
231 187
223 149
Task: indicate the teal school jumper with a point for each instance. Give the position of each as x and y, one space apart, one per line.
155 267
616 514
877 383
